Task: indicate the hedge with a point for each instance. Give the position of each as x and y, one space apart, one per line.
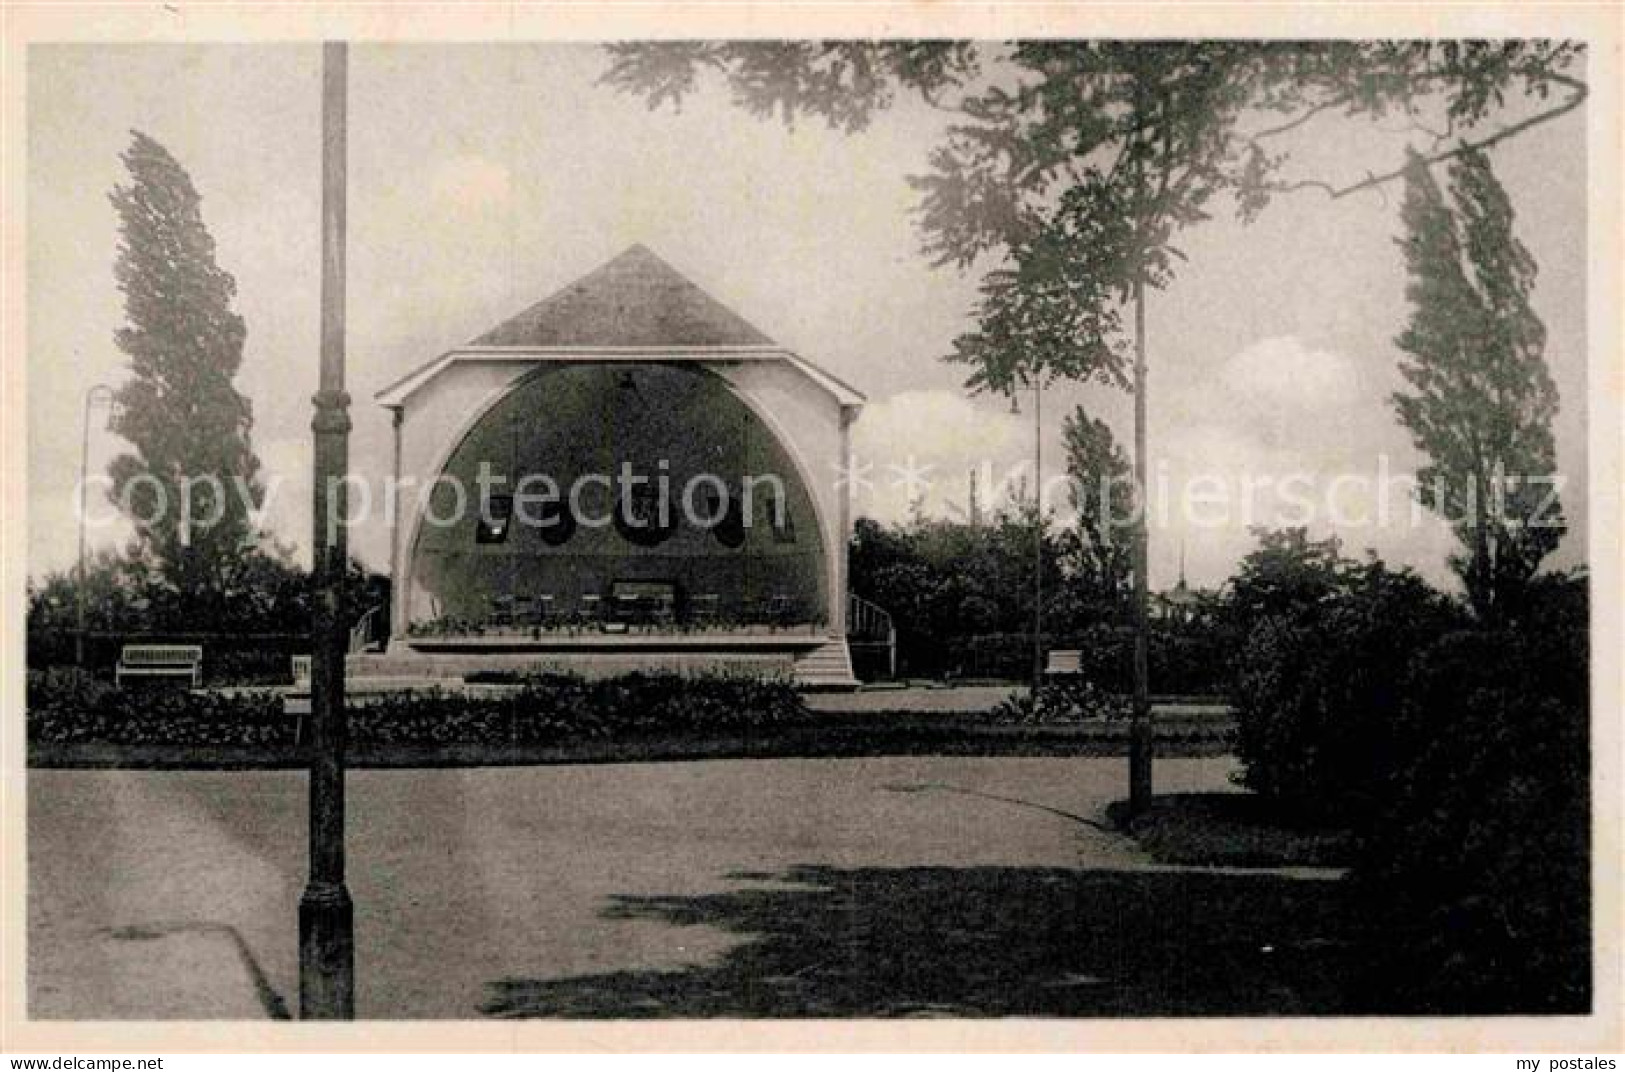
1318 695
1479 863
71 706
1456 750
228 658
66 706
1062 701
1194 659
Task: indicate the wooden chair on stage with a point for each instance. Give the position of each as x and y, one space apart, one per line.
705 610
779 610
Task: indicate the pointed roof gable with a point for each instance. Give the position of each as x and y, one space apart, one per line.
634 308
637 299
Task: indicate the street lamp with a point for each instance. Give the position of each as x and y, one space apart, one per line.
326 936
99 394
1038 526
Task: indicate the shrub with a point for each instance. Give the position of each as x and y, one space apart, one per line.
228 658
1480 862
268 663
71 706
1060 701
66 704
68 707
1320 724
1459 753
1187 659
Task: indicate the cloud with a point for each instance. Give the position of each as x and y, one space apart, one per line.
936 422
1284 371
923 444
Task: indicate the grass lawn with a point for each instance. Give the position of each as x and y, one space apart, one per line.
1229 830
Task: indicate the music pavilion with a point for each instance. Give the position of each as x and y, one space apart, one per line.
625 475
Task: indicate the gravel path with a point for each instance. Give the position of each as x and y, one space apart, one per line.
770 887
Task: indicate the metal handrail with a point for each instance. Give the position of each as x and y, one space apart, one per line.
870 624
868 620
361 631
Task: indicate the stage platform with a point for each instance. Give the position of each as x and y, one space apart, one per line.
812 660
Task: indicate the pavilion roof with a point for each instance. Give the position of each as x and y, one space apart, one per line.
635 307
636 299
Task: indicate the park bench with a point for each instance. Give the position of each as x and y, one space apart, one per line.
296 703
1063 662
160 660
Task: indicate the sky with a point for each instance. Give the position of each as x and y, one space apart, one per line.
485 177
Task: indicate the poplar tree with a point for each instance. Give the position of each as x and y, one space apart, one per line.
1103 496
179 408
1480 399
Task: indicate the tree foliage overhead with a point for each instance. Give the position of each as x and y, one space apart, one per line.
1480 399
1075 164
179 409
843 83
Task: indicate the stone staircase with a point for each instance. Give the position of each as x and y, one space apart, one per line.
826 668
447 666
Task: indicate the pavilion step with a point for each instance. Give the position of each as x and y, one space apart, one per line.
453 667
828 666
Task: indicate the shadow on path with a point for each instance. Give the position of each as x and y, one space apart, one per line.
264 992
943 787
982 941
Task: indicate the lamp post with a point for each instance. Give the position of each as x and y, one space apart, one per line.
1142 736
326 937
99 394
1038 528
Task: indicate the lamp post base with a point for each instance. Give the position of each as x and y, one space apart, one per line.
326 953
1142 744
